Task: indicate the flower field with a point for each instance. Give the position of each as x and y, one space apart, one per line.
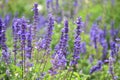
59 40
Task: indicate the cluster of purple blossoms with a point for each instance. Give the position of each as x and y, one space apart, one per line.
5 53
96 67
94 35
59 60
48 4
99 36
22 34
1 25
45 43
15 30
83 47
29 43
77 43
111 68
35 23
113 49
103 43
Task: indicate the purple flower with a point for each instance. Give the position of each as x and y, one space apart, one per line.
5 53
96 67
113 49
59 60
45 43
23 39
35 23
48 2
83 47
105 49
111 68
75 3
57 4
7 20
103 43
91 59
1 25
113 32
29 43
94 36
113 2
15 29
77 44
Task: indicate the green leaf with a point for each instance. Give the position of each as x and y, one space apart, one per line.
2 75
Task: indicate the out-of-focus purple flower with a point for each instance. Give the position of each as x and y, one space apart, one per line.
83 47
1 32
59 57
117 39
96 67
94 35
113 32
57 4
105 31
91 59
112 2
113 49
7 19
5 53
111 68
15 30
45 43
41 22
75 3
35 23
52 72
105 49
23 40
48 2
103 43
7 72
29 43
77 43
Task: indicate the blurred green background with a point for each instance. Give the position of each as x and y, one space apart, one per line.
107 9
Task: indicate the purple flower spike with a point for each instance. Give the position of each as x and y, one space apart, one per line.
59 57
29 43
94 36
111 68
5 53
35 24
96 67
77 43
45 44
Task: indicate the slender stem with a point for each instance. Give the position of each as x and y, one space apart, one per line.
71 75
22 66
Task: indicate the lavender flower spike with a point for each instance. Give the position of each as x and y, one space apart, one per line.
5 53
29 43
111 68
77 47
96 67
59 57
35 24
45 44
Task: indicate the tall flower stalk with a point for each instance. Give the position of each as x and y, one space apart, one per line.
29 43
35 24
77 42
23 43
59 60
46 42
5 53
15 30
